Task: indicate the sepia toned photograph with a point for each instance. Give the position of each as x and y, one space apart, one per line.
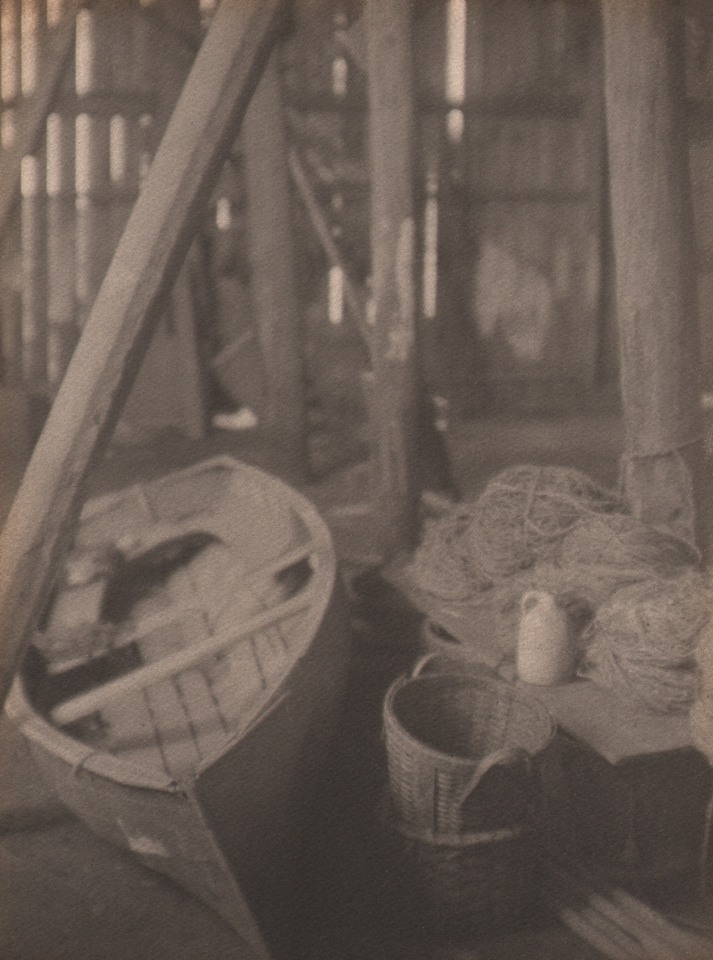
356 479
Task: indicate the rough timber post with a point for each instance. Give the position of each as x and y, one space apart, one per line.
62 331
34 275
33 214
654 260
272 279
393 401
94 237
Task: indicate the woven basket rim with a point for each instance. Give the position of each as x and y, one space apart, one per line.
394 728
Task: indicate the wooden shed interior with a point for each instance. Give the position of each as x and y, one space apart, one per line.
383 248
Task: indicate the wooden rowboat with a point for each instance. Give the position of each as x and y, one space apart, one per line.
192 732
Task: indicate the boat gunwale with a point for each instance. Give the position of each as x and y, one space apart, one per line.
80 756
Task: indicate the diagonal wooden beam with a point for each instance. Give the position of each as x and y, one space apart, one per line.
33 113
353 299
148 258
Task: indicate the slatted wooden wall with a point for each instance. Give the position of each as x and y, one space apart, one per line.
523 314
79 177
532 179
95 133
512 210
511 188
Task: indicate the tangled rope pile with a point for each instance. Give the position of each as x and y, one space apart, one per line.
444 565
633 592
524 512
602 554
642 640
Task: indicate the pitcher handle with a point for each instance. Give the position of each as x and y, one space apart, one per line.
531 598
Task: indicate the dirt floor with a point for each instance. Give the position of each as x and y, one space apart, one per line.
65 894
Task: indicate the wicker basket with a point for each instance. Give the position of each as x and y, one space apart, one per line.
468 881
459 751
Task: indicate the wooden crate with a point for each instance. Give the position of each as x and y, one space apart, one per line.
643 821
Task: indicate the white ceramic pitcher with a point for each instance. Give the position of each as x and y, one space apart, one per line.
545 648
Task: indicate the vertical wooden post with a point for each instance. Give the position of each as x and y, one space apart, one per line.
592 336
168 391
598 267
123 23
94 236
34 274
9 69
393 310
33 213
654 258
62 330
62 325
272 270
9 91
460 72
33 26
192 412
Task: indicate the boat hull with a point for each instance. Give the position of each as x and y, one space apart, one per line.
232 829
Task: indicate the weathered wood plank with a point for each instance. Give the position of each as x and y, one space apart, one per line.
147 261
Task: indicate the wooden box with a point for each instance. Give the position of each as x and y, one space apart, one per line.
642 820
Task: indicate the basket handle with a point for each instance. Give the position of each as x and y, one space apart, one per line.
502 756
450 665
422 662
